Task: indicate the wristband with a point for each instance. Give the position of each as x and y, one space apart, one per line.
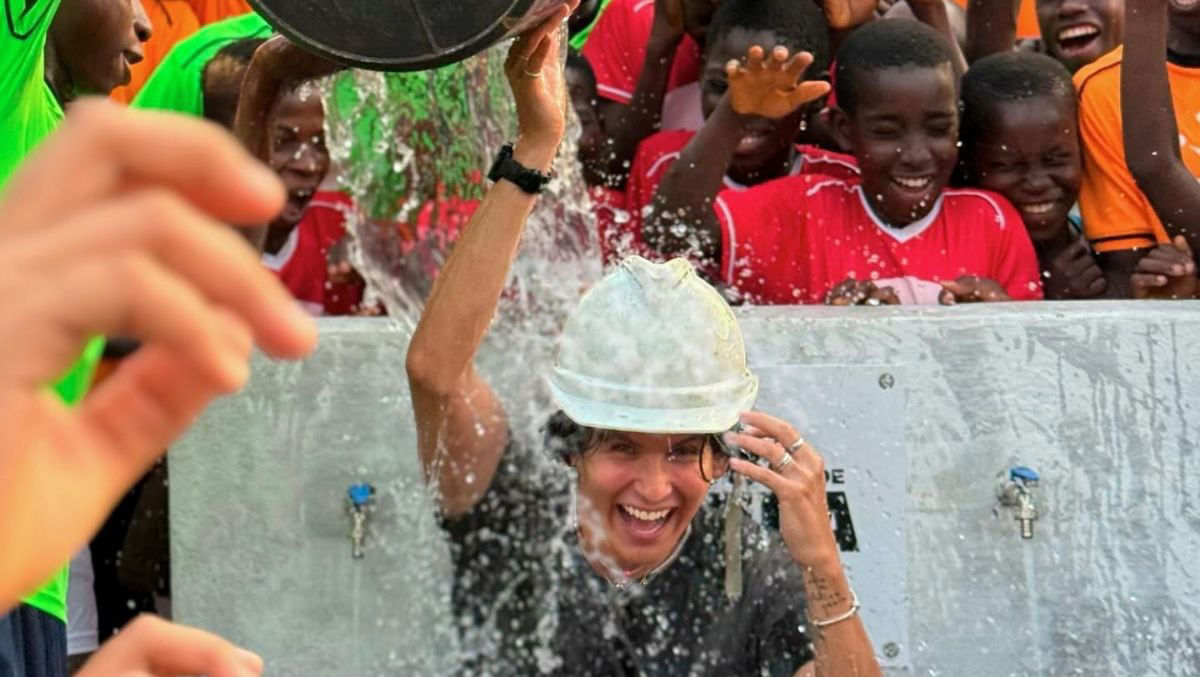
528 180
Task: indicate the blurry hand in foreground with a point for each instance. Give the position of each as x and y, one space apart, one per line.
115 226
152 646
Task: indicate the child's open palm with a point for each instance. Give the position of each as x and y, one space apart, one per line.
772 87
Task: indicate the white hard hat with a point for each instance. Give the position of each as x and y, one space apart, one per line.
653 348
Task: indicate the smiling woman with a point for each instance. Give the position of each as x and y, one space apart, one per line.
616 561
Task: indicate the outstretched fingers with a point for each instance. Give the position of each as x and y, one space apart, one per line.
526 46
755 59
799 63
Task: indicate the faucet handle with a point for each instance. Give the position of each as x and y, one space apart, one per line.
1023 474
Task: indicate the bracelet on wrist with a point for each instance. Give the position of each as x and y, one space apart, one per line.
854 607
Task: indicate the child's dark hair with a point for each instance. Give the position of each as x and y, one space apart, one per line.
894 43
240 51
576 61
1006 78
799 26
564 439
230 58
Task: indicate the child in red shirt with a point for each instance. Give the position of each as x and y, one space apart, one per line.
897 236
768 149
302 263
646 57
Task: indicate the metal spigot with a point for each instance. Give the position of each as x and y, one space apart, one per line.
359 497
1012 490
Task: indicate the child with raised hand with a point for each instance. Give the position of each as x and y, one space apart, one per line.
1020 138
767 148
1138 187
813 239
1151 148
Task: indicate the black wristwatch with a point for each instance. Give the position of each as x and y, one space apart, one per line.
529 180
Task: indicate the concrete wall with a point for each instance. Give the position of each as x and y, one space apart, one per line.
922 406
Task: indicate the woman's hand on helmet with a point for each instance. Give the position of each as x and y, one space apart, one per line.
535 74
799 485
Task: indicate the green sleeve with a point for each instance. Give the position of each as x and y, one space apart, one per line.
580 39
29 112
177 83
52 597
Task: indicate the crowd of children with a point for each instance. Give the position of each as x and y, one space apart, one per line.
799 152
800 163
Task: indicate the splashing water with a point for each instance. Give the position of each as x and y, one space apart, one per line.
412 150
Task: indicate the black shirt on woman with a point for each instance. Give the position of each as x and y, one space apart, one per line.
528 603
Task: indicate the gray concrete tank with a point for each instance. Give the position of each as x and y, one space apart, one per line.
922 415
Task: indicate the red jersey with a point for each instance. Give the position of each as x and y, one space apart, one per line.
656 155
793 239
616 50
302 263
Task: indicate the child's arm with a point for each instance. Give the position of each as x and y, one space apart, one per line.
769 87
626 125
846 14
1150 133
991 27
933 13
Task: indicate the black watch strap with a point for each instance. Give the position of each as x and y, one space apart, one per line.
529 180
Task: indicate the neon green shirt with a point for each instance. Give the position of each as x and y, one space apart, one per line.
29 111
177 83
580 39
52 597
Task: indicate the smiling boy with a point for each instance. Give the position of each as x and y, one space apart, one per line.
899 236
1020 138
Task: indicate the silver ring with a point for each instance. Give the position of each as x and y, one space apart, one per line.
873 301
531 75
784 462
796 445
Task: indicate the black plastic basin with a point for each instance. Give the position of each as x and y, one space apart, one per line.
401 35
